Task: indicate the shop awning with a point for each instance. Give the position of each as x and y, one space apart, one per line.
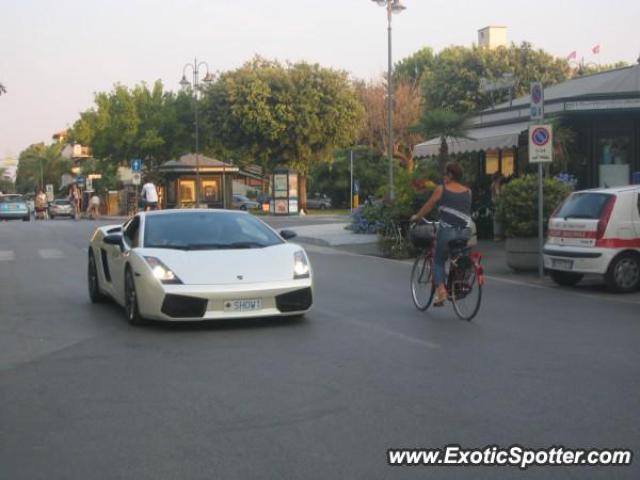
500 136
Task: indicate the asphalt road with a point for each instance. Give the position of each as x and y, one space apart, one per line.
85 396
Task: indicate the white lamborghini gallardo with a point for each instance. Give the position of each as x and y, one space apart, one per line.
197 264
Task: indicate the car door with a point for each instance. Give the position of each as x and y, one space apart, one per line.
120 256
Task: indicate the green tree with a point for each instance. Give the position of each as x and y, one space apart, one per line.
410 69
443 123
294 115
40 164
332 178
6 185
454 80
140 122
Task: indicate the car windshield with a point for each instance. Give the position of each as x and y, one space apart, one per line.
207 231
62 202
11 198
584 205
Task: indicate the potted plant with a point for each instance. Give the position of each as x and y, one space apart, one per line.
518 212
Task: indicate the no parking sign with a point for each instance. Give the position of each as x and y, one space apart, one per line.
540 144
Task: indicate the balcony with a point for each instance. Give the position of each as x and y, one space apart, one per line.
80 151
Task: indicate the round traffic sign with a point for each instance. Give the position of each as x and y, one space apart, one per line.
540 136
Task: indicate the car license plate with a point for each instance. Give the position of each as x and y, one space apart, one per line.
245 305
562 264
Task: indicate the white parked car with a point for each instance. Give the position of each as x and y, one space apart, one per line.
596 232
198 265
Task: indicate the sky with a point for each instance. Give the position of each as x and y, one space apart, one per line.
54 55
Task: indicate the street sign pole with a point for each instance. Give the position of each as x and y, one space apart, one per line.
540 220
351 182
537 115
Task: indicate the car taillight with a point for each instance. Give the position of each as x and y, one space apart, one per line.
604 218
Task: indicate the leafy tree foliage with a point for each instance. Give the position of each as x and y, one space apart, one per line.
454 80
40 161
140 122
293 114
410 69
332 178
406 112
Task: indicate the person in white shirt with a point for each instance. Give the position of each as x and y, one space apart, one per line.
149 196
94 206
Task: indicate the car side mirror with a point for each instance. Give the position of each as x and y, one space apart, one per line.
113 239
288 234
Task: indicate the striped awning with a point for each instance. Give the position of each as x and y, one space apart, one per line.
499 136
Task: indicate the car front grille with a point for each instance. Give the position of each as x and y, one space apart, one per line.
181 306
295 301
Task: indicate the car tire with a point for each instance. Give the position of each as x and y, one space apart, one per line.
566 279
623 274
27 218
243 207
93 282
131 300
323 207
51 216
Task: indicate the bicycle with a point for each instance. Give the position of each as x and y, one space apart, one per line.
464 278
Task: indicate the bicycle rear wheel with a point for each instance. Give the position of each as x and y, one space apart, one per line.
466 292
422 288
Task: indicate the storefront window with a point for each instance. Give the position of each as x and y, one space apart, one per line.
187 192
507 163
492 162
613 155
210 191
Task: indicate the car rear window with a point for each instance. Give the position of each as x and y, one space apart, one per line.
62 202
11 198
584 205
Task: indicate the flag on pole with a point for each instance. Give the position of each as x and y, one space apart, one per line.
596 49
573 55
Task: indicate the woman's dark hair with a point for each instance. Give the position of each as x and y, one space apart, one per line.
454 170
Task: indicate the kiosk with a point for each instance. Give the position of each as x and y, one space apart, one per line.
284 192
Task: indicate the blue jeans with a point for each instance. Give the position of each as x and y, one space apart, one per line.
445 235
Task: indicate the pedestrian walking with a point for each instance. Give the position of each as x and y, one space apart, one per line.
74 198
41 205
149 196
94 206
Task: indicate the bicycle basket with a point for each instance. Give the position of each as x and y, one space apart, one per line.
422 236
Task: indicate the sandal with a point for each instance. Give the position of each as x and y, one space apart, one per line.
441 297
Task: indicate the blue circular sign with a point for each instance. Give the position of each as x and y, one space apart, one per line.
540 136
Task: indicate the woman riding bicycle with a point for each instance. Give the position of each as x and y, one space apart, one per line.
455 221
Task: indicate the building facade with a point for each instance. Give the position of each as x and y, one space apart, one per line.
596 124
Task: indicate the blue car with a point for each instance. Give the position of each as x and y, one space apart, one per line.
14 206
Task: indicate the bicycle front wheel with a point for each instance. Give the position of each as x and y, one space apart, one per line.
466 292
422 287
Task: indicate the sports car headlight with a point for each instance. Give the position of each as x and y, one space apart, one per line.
162 272
300 265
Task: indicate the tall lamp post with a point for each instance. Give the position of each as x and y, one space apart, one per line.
392 6
195 66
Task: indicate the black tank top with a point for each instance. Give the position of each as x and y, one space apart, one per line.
458 202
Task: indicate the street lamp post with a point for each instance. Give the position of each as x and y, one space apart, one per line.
195 66
392 6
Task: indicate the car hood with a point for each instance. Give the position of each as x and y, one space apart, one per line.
217 267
